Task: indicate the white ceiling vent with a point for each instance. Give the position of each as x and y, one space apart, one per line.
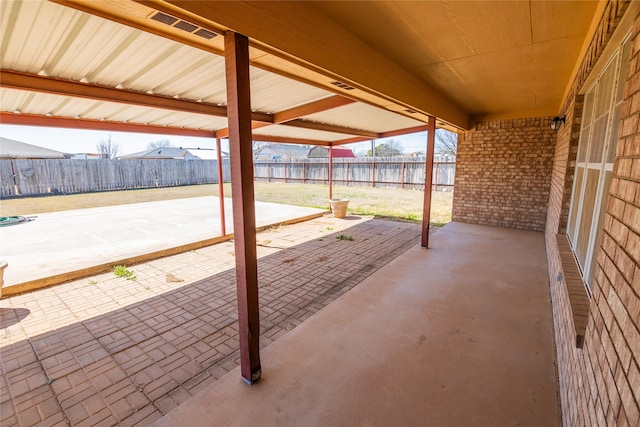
180 24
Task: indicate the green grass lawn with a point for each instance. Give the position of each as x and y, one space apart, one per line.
384 202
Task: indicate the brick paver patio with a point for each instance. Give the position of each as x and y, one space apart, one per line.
109 351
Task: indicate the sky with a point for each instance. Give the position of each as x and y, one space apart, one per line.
85 141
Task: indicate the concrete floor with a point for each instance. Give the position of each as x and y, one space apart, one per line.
59 243
459 335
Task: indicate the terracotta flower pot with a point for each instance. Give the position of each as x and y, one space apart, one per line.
339 207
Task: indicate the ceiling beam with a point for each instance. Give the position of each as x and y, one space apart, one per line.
224 133
299 123
297 112
305 124
398 132
421 128
288 140
351 140
91 124
33 82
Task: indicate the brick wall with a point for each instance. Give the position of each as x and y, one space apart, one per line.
572 389
600 383
503 173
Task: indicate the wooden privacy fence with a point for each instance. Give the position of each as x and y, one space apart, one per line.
383 172
64 176
33 177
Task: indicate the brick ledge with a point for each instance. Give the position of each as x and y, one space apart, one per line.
576 288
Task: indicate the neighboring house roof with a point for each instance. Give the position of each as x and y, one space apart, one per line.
336 152
282 151
162 153
12 149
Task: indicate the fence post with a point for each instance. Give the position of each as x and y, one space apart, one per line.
16 188
304 172
223 227
402 174
324 175
330 172
373 174
347 162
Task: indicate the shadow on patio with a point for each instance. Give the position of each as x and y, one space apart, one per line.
104 350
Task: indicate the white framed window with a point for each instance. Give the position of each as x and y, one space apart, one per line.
594 162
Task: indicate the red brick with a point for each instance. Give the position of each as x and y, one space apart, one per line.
632 217
619 232
633 338
615 207
633 248
610 357
502 177
629 404
625 264
629 126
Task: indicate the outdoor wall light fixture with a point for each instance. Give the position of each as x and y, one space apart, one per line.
557 122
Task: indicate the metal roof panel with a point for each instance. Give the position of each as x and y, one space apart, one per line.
271 93
364 116
293 132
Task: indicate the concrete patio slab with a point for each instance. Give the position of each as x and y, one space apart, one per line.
53 245
457 335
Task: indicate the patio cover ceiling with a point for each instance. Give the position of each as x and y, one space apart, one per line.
324 73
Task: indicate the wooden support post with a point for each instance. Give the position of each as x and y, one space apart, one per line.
236 47
428 179
330 172
223 226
